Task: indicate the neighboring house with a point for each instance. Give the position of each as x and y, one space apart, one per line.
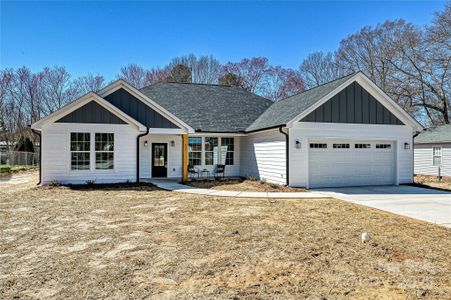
433 151
343 133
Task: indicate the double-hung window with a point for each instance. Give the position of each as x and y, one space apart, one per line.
80 147
227 150
437 156
211 151
104 147
194 151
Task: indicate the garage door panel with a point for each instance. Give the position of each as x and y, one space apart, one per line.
331 167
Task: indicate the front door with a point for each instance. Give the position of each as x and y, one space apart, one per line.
159 160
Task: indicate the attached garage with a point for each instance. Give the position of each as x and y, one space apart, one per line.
351 163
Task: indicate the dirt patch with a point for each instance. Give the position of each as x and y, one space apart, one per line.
242 185
125 242
433 182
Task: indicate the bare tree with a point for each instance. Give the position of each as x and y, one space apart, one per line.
318 68
252 71
89 83
204 69
57 90
134 74
281 83
424 68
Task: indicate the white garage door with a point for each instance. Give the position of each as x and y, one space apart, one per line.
346 163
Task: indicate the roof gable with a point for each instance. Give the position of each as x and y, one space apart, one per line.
80 102
353 105
138 110
293 109
285 110
91 112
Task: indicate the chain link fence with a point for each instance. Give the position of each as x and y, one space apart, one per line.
18 159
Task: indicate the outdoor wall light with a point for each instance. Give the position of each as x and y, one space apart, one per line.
172 144
145 143
406 146
298 144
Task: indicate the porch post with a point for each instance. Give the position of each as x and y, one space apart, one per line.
185 157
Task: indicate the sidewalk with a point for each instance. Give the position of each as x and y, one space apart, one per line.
173 185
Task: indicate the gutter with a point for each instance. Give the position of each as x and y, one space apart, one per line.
287 154
40 153
137 152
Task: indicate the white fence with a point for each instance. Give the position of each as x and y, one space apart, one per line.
16 158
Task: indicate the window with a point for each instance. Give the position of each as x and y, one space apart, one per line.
437 156
227 149
194 151
362 146
104 147
341 146
211 151
79 150
318 146
383 146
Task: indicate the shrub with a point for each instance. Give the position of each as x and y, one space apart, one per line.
5 168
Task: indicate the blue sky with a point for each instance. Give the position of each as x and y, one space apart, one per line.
100 37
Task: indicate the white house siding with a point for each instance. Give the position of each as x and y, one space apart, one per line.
263 155
423 159
306 132
56 166
174 154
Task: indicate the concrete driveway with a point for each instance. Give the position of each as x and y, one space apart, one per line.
423 204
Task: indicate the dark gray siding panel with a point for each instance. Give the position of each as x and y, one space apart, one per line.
353 105
136 109
92 112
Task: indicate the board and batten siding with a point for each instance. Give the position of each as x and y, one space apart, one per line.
56 161
423 159
307 131
263 156
174 159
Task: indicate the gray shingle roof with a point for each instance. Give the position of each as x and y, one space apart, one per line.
439 134
285 110
212 108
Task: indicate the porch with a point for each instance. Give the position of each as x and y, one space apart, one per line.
163 155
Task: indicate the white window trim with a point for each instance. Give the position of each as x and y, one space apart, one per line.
95 152
201 150
89 151
92 159
434 155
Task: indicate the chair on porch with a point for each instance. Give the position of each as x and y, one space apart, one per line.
192 171
219 171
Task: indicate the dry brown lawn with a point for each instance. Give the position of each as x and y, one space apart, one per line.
242 185
93 243
433 182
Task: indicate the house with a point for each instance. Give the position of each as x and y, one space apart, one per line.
347 132
433 151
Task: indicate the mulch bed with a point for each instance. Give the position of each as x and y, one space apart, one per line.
242 185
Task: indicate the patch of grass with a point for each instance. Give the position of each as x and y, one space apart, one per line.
5 169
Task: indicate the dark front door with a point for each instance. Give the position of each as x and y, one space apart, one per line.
159 160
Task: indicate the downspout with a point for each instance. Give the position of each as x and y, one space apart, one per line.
287 154
40 154
413 154
137 152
